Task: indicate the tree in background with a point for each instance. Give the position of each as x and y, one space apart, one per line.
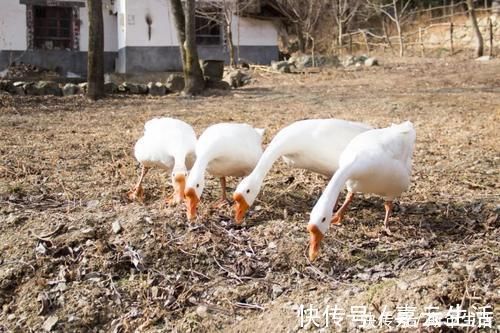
95 61
222 12
398 11
343 12
475 28
303 16
184 17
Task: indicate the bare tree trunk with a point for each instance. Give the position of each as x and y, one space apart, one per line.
180 25
400 38
386 35
95 60
397 20
230 45
475 28
186 31
300 38
340 32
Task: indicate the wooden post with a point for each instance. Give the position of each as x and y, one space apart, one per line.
451 39
366 41
421 42
312 51
490 24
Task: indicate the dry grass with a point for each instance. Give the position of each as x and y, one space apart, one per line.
66 164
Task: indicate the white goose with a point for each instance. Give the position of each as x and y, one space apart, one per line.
314 144
224 150
168 144
379 162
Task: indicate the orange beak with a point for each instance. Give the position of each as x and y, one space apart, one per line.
179 186
240 207
191 203
315 240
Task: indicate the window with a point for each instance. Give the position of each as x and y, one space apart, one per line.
53 27
208 31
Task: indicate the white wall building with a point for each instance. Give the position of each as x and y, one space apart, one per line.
54 34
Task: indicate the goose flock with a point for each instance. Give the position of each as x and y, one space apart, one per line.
355 155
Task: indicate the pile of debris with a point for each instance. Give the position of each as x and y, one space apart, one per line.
22 70
298 62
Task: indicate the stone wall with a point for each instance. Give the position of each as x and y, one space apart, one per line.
439 35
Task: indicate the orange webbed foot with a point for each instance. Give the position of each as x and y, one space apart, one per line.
136 194
336 219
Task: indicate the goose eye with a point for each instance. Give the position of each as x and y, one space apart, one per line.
197 185
248 191
323 220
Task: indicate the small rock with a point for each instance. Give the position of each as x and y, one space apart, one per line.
237 78
19 90
202 311
110 88
123 88
92 204
83 87
62 286
276 291
457 266
88 232
221 85
281 66
156 89
212 69
69 89
143 88
134 88
41 249
43 88
424 243
49 324
6 85
175 82
371 62
117 227
11 317
402 285
272 245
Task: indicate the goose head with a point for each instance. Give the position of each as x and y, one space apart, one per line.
193 190
244 197
319 222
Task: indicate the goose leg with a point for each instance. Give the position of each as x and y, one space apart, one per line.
388 209
137 193
223 200
339 215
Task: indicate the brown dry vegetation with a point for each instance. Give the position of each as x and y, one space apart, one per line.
66 164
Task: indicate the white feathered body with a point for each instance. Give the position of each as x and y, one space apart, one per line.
167 143
316 144
230 149
377 161
381 160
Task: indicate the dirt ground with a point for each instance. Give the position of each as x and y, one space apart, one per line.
66 164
